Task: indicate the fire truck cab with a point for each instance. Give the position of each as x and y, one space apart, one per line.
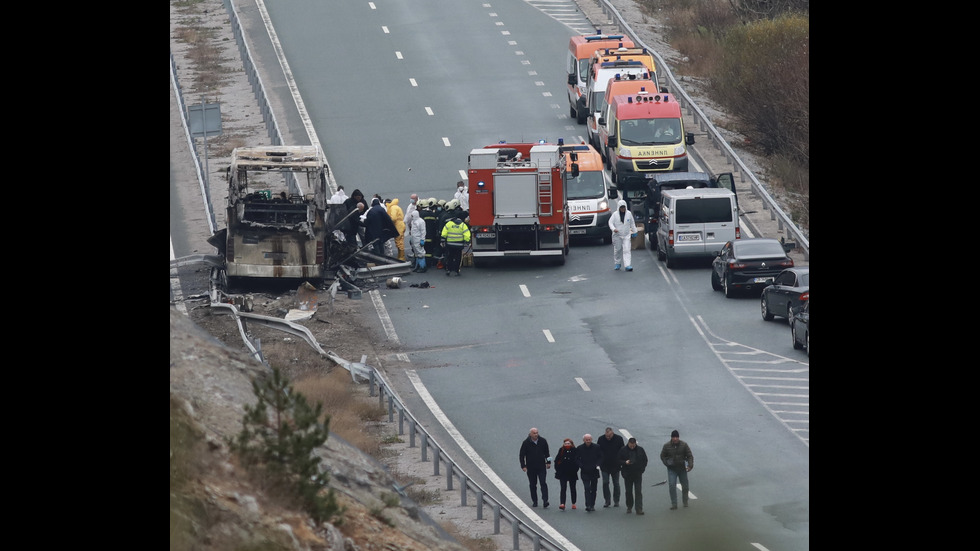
518 204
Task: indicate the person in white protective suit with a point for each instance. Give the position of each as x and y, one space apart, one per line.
463 196
415 237
623 231
339 197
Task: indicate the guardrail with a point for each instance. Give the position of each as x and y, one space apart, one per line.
776 212
417 435
379 386
387 398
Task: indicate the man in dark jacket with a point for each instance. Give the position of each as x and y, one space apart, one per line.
589 459
535 460
633 461
610 444
378 227
352 227
677 457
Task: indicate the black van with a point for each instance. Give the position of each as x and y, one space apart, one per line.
645 203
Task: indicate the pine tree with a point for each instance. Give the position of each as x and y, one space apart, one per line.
279 435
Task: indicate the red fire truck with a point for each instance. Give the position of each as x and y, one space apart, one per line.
518 204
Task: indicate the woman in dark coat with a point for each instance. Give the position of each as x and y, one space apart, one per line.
566 470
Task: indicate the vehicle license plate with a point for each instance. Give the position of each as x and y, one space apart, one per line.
762 279
486 235
576 232
689 237
650 175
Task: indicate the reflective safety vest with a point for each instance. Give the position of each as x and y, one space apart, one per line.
458 234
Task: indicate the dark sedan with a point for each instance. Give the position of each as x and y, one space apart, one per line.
745 265
787 291
799 325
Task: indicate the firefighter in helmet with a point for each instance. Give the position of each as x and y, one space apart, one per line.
429 215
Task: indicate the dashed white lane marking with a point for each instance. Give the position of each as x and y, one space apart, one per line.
547 335
581 383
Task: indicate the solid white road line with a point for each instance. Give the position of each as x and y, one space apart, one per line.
482 465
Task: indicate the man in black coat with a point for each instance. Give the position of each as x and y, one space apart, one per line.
589 459
610 444
633 461
535 460
378 227
352 226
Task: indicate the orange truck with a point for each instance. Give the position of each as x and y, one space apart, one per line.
595 91
618 85
645 136
518 204
590 193
580 50
623 53
602 67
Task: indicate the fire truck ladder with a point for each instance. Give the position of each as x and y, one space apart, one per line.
545 202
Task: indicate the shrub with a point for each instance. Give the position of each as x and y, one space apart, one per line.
765 78
279 435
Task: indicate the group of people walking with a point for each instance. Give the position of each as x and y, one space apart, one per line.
607 458
429 231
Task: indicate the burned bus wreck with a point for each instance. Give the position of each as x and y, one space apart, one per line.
279 224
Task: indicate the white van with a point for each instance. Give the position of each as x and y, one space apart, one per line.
696 223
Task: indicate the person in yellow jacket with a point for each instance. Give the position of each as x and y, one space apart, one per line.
455 237
398 217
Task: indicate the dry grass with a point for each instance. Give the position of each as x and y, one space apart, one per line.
352 413
416 489
702 55
205 58
472 544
